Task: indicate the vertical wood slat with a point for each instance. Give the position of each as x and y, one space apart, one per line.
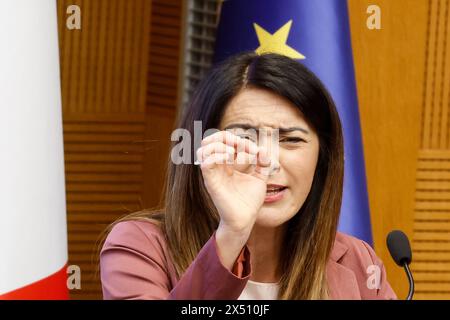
140 52
118 52
431 242
109 35
437 64
93 49
130 34
428 85
445 86
104 123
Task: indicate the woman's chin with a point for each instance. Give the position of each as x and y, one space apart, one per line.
272 217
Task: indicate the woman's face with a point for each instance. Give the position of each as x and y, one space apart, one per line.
298 148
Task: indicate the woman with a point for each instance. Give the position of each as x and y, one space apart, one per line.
257 218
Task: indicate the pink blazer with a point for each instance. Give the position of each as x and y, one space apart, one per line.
135 264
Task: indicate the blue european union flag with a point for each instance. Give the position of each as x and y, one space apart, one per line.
317 33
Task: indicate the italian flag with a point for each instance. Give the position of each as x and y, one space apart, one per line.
33 231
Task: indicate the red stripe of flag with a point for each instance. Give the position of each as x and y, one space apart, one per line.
53 287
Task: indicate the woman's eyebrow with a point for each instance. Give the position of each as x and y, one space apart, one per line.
287 130
247 126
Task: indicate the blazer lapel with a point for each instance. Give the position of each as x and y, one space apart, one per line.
342 283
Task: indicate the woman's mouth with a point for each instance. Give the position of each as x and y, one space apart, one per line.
274 193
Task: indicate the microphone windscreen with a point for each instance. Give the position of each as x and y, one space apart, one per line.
399 248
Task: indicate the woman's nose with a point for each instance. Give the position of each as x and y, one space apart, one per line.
274 165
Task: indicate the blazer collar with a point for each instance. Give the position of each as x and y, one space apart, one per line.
338 251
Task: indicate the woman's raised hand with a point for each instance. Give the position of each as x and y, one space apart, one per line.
235 172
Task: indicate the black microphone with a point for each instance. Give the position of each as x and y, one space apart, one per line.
400 250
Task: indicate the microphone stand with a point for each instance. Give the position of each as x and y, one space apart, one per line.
410 280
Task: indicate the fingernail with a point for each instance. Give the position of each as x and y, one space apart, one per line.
253 148
264 157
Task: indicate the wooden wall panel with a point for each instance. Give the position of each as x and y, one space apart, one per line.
389 66
104 71
104 166
165 43
403 80
162 94
431 241
103 65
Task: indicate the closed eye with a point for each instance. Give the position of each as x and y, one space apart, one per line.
292 140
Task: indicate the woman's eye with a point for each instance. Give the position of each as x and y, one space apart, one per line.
247 137
292 140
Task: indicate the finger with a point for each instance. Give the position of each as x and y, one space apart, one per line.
232 140
263 167
244 158
214 147
213 160
263 158
244 161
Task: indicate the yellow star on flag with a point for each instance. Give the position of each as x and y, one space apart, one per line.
276 43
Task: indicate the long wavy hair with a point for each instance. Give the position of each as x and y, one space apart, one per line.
187 215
